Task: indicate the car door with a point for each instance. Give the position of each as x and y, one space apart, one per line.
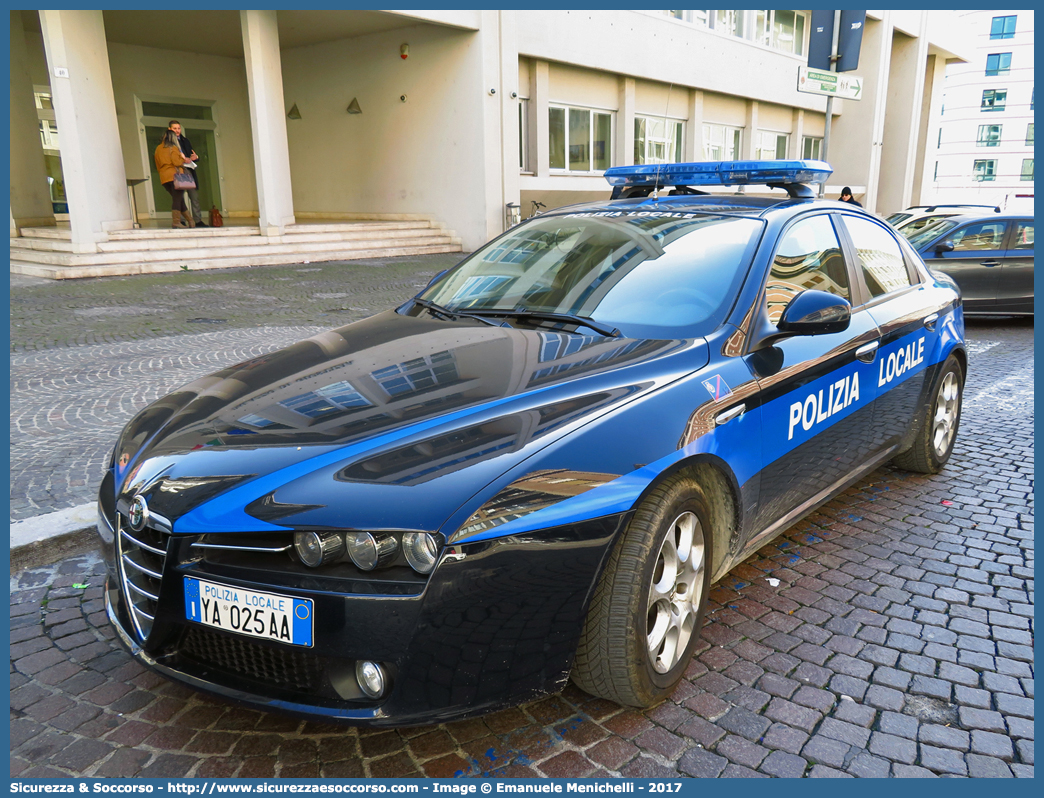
895 299
816 393
974 262
1015 293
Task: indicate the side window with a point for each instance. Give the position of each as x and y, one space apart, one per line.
977 237
808 257
1023 235
880 258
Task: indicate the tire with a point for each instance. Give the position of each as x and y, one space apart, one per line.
648 607
933 445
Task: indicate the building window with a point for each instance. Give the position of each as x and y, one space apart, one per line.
1003 27
1029 135
51 147
657 140
985 171
580 139
994 99
989 136
811 147
781 30
935 174
695 17
998 64
1027 169
771 146
721 143
938 143
523 135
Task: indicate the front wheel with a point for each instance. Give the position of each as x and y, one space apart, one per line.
648 607
933 445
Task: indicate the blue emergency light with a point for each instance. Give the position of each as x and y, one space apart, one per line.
781 174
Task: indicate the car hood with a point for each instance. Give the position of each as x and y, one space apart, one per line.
391 422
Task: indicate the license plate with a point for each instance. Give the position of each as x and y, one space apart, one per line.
247 612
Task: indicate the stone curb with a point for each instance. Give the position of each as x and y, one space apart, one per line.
48 538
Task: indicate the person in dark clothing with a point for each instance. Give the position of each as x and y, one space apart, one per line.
846 196
190 162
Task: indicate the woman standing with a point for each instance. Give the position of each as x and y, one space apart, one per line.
169 159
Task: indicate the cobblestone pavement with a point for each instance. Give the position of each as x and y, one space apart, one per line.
88 354
897 641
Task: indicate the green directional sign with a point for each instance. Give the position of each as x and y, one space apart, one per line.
830 84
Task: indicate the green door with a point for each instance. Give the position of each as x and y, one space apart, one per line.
206 171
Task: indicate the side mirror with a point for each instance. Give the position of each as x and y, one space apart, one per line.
943 246
815 313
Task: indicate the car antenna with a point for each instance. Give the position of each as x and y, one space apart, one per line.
656 186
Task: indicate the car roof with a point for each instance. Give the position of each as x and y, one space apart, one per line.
963 218
717 204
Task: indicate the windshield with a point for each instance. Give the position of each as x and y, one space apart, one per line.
651 274
919 238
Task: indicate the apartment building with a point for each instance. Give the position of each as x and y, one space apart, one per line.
981 149
467 117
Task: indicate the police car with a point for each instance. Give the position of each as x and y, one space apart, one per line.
535 469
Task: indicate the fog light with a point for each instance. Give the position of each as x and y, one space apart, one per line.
318 548
371 678
369 551
421 551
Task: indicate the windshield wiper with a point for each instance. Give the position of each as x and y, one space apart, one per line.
448 314
567 318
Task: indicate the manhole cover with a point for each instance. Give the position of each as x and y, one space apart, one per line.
207 321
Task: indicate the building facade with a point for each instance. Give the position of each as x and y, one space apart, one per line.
471 117
983 134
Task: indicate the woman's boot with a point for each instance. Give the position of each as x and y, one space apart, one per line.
178 221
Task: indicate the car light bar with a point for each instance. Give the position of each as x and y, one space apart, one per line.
720 173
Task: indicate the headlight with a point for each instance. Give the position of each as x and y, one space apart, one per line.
369 551
421 550
318 548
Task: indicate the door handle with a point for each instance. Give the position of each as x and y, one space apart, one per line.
868 352
929 321
728 415
990 263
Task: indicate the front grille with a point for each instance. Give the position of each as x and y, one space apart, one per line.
288 669
141 556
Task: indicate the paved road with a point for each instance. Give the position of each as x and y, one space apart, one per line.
897 642
88 354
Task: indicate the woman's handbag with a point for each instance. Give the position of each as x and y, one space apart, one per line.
184 180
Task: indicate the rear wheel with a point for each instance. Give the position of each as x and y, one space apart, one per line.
648 607
934 442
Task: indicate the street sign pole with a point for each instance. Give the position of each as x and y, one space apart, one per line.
825 154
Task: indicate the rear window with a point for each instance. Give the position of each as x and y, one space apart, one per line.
651 274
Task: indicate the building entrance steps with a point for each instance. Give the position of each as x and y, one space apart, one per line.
47 251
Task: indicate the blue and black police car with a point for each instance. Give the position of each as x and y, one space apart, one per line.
535 469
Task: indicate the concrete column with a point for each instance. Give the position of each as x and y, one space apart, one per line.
624 122
497 78
694 128
85 112
924 188
902 128
508 54
750 133
797 132
541 80
275 200
30 198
